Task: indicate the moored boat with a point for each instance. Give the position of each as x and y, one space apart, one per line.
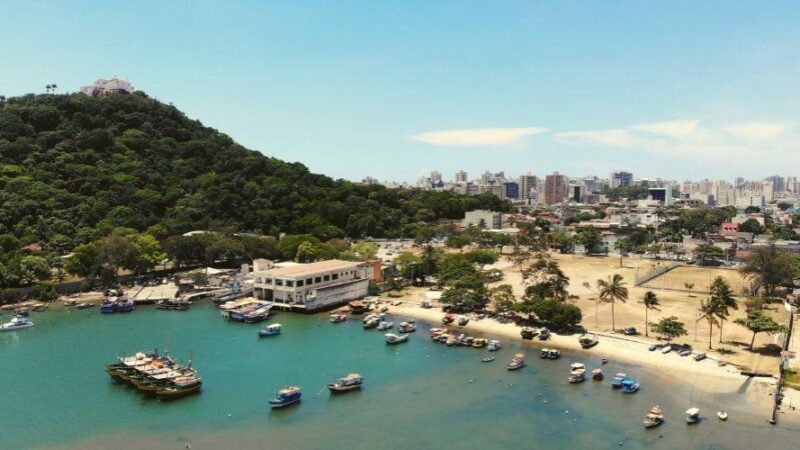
554 354
616 383
544 353
630 386
358 307
722 414
597 374
493 345
385 325
173 304
286 397
528 333
406 327
351 382
109 306
270 330
337 318
371 321
125 304
692 415
84 305
488 359
16 323
653 418
517 362
577 373
544 334
178 390
479 342
392 338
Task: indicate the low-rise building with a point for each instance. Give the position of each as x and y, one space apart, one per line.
314 286
483 219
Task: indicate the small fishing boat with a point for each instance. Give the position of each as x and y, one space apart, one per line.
351 382
528 333
597 374
588 340
517 362
270 330
553 354
448 319
125 304
722 414
493 345
700 356
630 386
692 415
544 334
173 304
84 305
371 321
479 342
406 327
577 373
384 325
544 354
392 338
666 349
453 339
488 359
653 418
16 323
109 306
438 332
358 307
616 383
180 387
336 318
70 303
463 320
286 397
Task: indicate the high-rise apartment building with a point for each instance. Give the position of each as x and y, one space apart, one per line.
621 178
527 183
555 188
460 177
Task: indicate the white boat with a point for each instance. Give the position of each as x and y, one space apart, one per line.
692 415
517 362
406 327
666 349
384 325
722 414
351 382
653 418
392 338
16 323
493 345
577 373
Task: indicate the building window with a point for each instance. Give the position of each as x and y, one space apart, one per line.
327 278
278 282
317 279
267 280
309 282
335 276
290 283
299 283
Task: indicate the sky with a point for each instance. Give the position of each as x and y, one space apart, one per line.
675 89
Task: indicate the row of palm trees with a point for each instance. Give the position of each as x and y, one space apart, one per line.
715 310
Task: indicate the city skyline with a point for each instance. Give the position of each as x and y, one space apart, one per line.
662 89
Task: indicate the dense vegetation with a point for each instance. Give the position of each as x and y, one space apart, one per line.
75 170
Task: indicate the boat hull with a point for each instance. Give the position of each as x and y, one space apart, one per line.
342 389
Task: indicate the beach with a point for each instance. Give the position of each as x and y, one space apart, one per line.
708 375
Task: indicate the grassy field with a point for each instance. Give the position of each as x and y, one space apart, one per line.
700 277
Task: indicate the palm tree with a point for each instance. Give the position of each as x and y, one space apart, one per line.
612 290
650 301
722 293
709 310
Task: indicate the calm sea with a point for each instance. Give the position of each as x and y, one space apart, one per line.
55 394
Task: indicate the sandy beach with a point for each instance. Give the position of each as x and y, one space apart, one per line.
708 377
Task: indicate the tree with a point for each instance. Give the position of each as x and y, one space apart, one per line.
759 322
558 315
669 328
612 290
563 242
770 268
547 281
751 226
722 293
365 251
458 241
650 301
623 246
709 311
502 296
463 299
289 244
483 257
591 240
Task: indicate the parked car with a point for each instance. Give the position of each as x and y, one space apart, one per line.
630 331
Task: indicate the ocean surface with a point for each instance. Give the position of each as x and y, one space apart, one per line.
55 394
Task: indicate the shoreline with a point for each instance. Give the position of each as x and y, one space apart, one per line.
707 376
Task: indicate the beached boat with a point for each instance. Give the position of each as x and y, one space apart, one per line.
479 342
371 321
667 348
630 386
553 354
271 330
385 325
722 414
337 318
357 307
616 383
597 374
173 304
493 345
448 319
84 305
406 327
653 418
544 353
286 397
463 320
544 334
692 415
528 333
577 373
351 382
588 340
517 362
16 323
392 338
700 356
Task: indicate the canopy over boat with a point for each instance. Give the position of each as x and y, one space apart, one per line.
692 411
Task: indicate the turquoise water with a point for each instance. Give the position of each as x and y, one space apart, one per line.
55 394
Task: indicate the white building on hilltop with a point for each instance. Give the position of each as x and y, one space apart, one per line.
107 87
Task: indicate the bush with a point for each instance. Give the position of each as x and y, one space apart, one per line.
44 292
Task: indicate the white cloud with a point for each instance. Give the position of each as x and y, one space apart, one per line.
611 138
757 131
479 137
675 129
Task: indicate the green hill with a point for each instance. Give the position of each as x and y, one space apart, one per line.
74 167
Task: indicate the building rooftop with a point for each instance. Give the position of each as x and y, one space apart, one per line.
302 270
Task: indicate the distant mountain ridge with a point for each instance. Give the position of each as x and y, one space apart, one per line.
73 167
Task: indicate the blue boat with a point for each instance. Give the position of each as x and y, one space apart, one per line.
272 330
108 306
286 397
616 383
125 305
630 386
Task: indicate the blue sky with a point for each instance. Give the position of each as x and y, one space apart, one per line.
391 89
